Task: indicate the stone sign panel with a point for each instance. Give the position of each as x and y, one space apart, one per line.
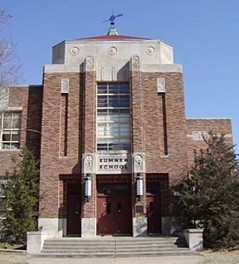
113 164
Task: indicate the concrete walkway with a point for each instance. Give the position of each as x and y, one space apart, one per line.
139 260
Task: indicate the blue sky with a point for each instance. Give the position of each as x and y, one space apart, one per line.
204 34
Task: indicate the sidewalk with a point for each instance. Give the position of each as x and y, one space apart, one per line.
17 258
140 260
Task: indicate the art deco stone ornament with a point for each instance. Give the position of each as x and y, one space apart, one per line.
161 85
138 163
74 51
64 85
88 163
135 63
150 50
112 50
89 63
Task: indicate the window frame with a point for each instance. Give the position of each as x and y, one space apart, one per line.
11 130
115 117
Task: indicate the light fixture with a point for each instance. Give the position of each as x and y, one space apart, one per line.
139 186
88 189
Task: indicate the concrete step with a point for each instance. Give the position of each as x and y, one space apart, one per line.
114 246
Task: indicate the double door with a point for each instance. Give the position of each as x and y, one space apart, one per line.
114 215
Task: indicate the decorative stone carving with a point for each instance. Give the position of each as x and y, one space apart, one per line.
89 63
88 163
112 50
135 63
200 135
74 51
150 50
64 85
138 163
160 85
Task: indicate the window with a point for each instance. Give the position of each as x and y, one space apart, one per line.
10 124
113 131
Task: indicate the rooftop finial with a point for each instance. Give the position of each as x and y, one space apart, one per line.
112 18
112 29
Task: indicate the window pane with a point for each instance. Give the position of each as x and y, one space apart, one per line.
124 111
113 101
6 145
119 101
113 89
102 101
124 117
113 111
124 101
15 146
102 129
113 117
124 133
101 146
7 120
102 114
124 88
6 135
102 117
16 120
102 88
15 136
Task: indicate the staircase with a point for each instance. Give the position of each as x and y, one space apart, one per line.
115 247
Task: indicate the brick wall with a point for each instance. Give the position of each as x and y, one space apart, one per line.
158 128
218 126
158 123
53 163
29 98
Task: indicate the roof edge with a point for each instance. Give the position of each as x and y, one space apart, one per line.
113 37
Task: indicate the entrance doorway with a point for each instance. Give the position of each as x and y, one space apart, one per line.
153 205
114 216
73 209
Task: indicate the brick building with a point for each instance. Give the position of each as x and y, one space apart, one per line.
108 124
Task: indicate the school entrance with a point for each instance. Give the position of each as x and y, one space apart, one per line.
114 213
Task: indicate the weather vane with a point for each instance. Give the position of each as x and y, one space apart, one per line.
112 18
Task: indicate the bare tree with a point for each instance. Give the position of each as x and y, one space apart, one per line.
9 67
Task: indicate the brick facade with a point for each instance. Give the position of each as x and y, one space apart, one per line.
217 126
61 127
28 101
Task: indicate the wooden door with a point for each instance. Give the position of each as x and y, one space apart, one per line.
154 213
74 209
114 214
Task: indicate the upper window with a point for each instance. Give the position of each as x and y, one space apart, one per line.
10 124
113 129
